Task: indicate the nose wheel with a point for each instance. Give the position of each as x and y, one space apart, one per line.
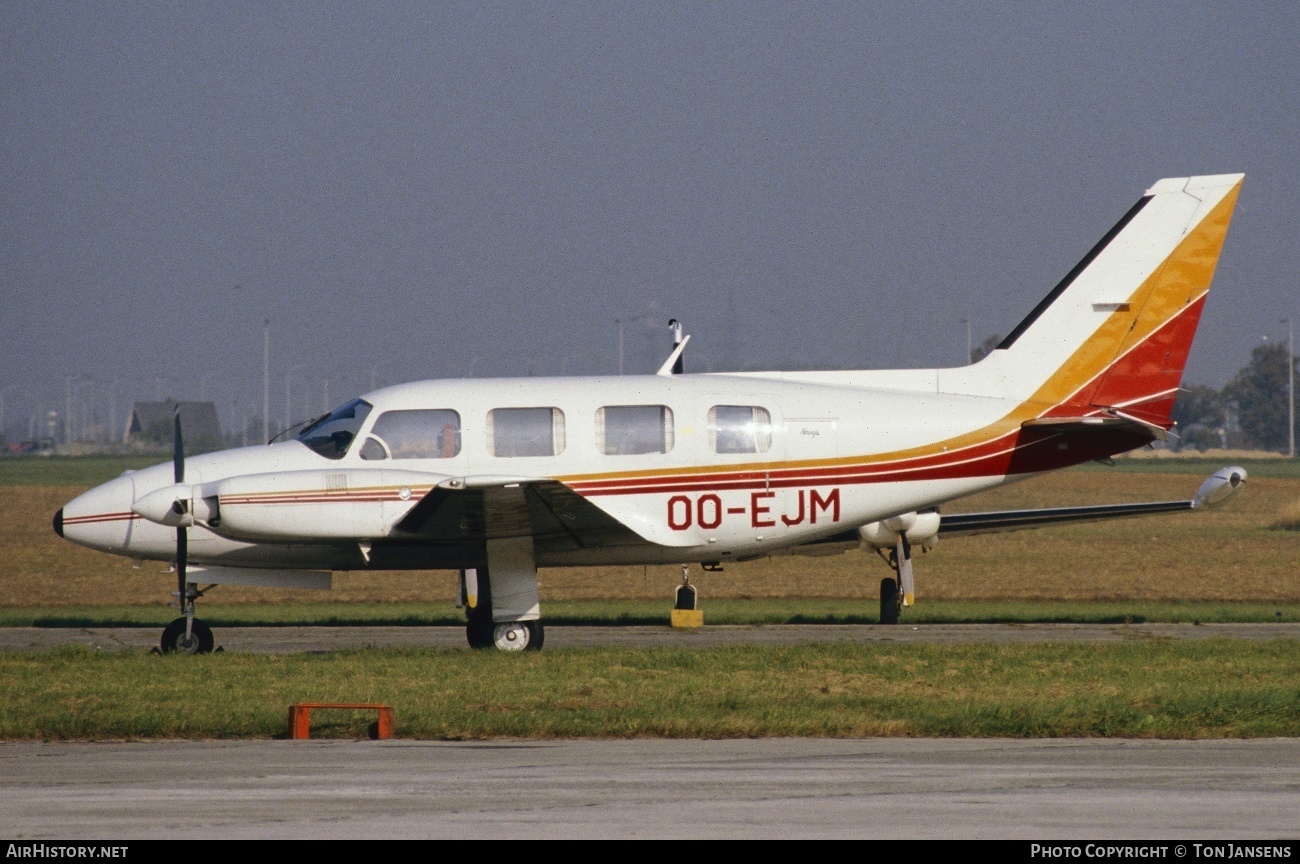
187 636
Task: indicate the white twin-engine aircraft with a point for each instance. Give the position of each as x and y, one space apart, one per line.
495 478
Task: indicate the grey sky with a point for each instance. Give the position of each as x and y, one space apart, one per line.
417 190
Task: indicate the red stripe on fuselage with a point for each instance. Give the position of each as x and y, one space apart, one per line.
1020 452
99 517
369 496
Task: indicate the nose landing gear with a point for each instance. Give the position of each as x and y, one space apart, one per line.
187 634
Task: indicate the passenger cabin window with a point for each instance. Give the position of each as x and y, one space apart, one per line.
330 436
418 434
740 429
525 431
623 430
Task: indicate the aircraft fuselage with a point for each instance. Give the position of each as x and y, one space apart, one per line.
817 461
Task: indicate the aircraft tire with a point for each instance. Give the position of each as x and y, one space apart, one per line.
888 601
479 630
200 641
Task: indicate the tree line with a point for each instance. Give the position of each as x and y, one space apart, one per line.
1250 412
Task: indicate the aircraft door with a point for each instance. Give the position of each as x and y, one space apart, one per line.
739 441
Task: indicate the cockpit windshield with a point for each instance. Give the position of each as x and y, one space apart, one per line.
330 436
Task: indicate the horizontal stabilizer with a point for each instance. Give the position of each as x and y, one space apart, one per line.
1092 423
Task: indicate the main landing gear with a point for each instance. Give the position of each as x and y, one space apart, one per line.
500 597
492 622
481 632
895 593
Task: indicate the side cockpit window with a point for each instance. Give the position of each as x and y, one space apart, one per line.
740 429
418 434
332 435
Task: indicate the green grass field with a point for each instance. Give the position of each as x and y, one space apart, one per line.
1276 468
1211 688
82 471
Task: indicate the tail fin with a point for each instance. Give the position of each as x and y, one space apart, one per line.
1114 335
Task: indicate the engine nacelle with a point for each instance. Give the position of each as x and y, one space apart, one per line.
921 529
317 505
178 506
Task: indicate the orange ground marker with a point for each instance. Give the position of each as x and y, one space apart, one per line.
300 717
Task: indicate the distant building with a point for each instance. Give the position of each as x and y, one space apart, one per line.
151 423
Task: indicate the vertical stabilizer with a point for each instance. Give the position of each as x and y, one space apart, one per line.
1115 333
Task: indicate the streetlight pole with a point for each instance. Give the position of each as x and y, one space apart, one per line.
266 379
288 403
631 319
619 322
374 372
1290 386
67 411
112 411
3 390
966 321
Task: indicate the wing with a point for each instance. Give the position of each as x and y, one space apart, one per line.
558 519
1015 520
1219 487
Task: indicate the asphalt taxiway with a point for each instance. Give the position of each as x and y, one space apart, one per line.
279 640
1099 790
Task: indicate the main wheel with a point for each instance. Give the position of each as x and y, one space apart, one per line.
518 636
888 601
199 641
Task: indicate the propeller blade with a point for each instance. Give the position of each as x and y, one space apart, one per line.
182 533
182 556
178 446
